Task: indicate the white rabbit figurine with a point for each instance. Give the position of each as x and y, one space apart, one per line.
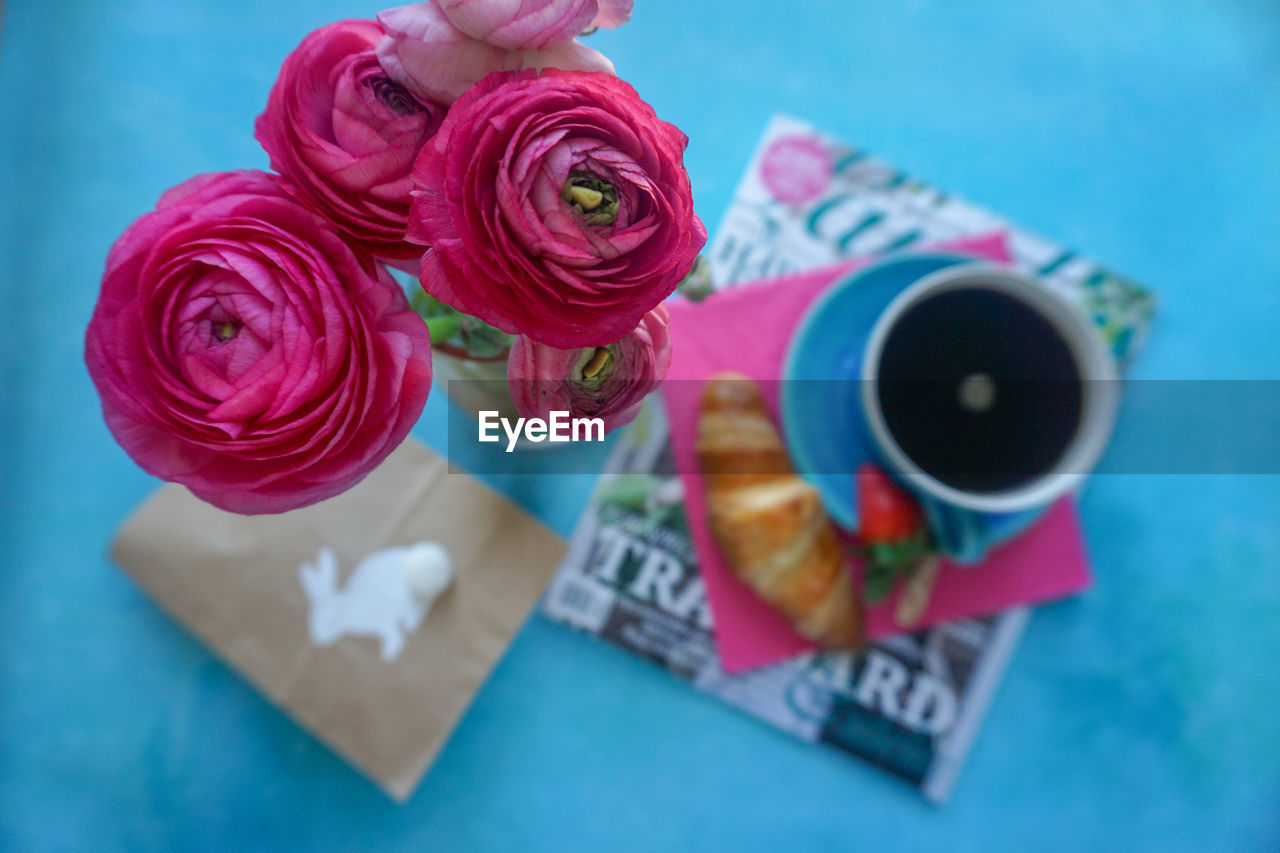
387 596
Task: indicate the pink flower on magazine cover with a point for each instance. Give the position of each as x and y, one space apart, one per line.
555 205
608 382
339 128
430 56
241 348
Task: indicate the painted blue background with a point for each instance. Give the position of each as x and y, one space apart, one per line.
1144 714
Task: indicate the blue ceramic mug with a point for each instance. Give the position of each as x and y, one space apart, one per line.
989 396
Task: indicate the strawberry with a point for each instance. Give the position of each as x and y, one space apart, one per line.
886 511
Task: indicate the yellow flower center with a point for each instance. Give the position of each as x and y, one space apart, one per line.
586 198
599 359
595 199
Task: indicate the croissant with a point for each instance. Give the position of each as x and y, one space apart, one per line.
768 522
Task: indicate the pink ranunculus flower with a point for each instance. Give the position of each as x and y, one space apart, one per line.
241 348
346 134
427 54
532 24
555 205
608 382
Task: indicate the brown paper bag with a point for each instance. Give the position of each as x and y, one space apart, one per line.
236 582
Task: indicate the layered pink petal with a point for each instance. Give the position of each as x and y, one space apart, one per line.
613 13
346 135
506 245
520 24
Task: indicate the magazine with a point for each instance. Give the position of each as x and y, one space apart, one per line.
808 201
912 703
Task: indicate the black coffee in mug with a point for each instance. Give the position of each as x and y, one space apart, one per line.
986 392
979 389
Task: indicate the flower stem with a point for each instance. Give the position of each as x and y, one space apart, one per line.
453 329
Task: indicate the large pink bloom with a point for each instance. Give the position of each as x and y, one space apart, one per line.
607 382
347 135
532 24
556 205
429 55
241 348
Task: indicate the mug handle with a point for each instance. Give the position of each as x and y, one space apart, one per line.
959 532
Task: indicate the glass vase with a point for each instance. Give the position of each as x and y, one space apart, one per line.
474 383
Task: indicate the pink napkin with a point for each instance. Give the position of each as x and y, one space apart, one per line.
748 329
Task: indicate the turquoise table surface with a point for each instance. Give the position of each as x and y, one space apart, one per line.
1141 715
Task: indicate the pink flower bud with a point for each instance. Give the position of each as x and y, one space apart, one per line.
608 382
425 52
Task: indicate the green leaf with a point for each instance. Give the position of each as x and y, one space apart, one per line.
877 583
896 555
